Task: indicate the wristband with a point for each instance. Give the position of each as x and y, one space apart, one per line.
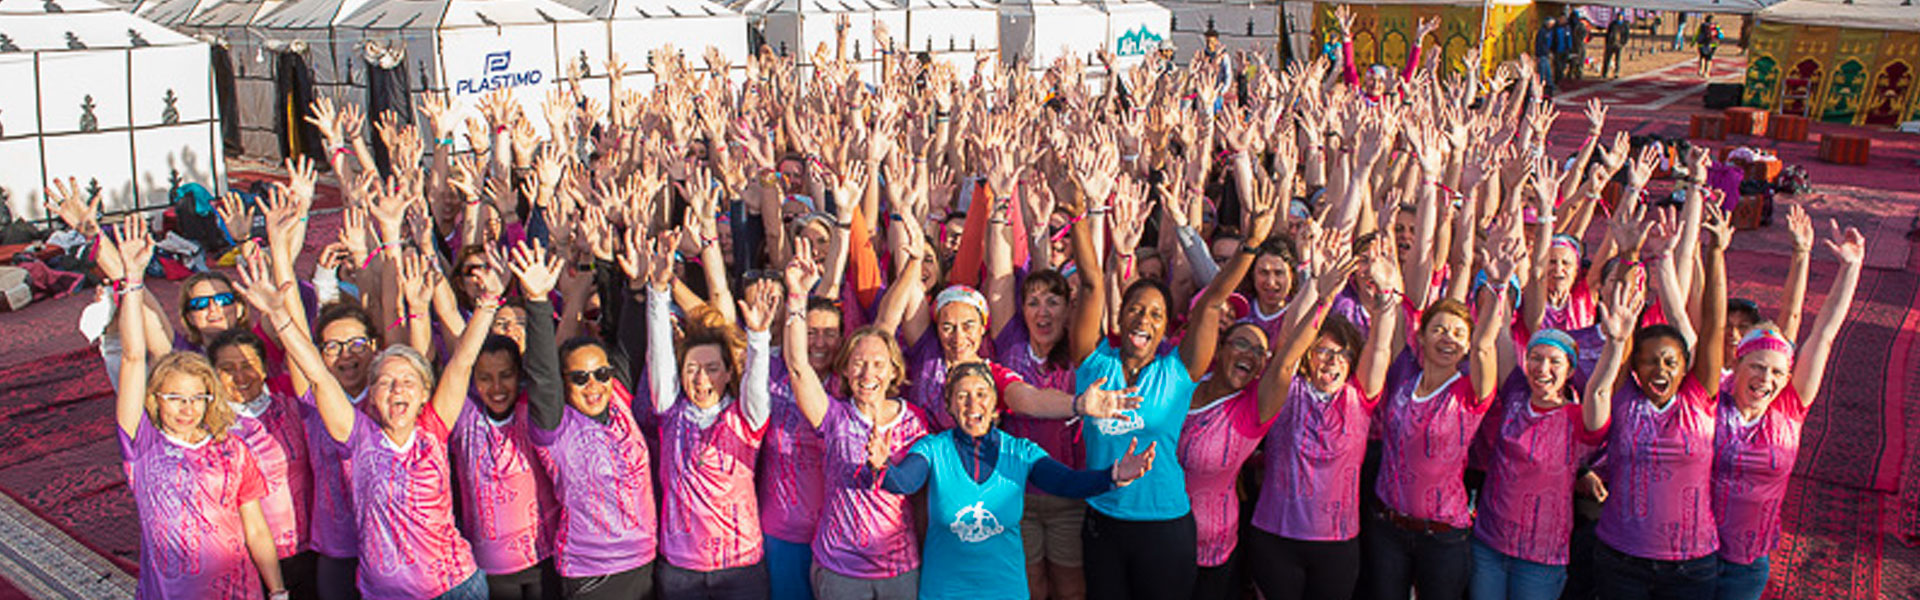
445 141
489 300
129 288
1127 271
402 320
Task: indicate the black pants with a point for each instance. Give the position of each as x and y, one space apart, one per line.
1290 569
739 583
1626 577
1580 567
333 578
1610 61
1437 565
297 575
632 584
1139 559
1225 581
538 582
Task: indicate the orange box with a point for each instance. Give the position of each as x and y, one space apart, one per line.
1765 170
1746 120
1787 128
1707 127
1845 149
1750 211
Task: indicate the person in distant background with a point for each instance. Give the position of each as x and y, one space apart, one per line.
1707 40
1616 43
1574 68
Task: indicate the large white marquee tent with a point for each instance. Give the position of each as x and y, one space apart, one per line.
952 31
1035 32
797 27
95 93
636 29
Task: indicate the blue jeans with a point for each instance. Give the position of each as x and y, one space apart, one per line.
1396 561
474 588
1497 576
789 566
1544 64
1625 577
1742 582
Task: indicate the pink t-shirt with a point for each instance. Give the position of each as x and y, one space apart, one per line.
331 530
789 473
192 543
277 438
507 508
865 532
1526 508
1425 451
602 479
1059 437
711 520
1659 475
403 506
1751 462
1215 440
1578 312
1314 450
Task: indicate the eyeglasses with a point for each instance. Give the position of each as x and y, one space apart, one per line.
1330 354
602 375
1246 345
355 345
186 398
200 303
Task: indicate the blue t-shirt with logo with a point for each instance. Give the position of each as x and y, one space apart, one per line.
1166 391
973 547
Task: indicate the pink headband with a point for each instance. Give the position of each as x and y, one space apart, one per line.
1762 339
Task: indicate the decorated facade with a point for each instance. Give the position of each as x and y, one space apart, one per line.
1837 62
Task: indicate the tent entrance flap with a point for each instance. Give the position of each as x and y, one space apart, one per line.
293 101
387 93
223 82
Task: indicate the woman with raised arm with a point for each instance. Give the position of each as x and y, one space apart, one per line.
1757 435
1150 522
395 449
1231 412
713 413
1419 537
790 455
1307 521
1033 345
585 435
975 476
271 422
1656 529
197 488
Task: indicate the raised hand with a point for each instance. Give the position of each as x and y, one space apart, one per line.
762 300
325 119
1133 466
256 286
82 215
1343 17
660 266
1103 403
135 244
1851 248
1620 308
414 276
537 270
1128 217
1427 26
1596 117
1716 225
1641 171
235 216
1801 226
802 272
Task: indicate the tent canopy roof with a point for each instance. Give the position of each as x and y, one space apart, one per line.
1861 14
1744 7
36 25
951 4
446 14
308 14
757 7
649 9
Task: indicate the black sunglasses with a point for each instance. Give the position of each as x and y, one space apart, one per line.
602 375
199 303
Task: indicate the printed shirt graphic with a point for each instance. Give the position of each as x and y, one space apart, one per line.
1526 508
507 508
1165 390
865 532
1314 450
403 505
331 531
1215 441
789 474
1659 475
974 546
1058 437
1751 462
192 543
278 441
711 520
1425 446
602 480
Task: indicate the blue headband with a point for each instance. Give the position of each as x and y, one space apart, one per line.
1556 338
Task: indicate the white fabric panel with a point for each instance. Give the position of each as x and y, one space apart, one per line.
19 107
105 157
1135 29
159 153
477 60
182 70
586 42
255 102
952 30
1861 14
68 79
20 176
1039 33
635 39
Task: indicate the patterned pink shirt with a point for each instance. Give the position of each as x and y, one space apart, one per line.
1058 437
1526 509
605 489
403 507
1214 442
1425 451
277 437
789 473
331 530
507 508
711 520
1314 450
1659 475
865 532
1751 462
192 543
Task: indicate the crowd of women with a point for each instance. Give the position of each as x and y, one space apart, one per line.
924 337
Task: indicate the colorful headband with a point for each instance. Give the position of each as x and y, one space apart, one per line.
1569 242
1556 338
1762 339
964 295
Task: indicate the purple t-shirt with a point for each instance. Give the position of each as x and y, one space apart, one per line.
403 505
192 543
789 474
1425 451
332 530
1314 450
1057 436
277 438
507 508
1526 508
865 532
601 479
1660 475
1215 440
1751 462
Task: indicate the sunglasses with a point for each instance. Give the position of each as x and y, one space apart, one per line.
355 345
186 398
200 303
602 375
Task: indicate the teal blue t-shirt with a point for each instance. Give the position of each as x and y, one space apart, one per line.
1166 391
973 546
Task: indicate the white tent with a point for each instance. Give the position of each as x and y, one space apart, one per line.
298 39
1035 32
796 27
638 28
1134 28
92 92
1889 15
1249 26
952 30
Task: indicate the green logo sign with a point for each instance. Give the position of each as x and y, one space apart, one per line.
1138 42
